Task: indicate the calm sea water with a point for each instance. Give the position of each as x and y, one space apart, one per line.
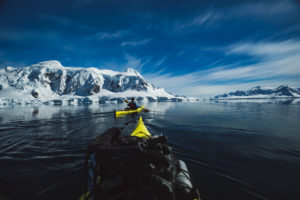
234 150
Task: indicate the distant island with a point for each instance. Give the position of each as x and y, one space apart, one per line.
51 83
260 92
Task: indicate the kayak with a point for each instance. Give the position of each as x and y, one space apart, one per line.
125 112
134 167
141 130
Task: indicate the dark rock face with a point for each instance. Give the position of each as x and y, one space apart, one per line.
258 90
67 82
162 98
121 83
35 94
34 75
238 93
221 96
49 75
285 91
96 89
1 87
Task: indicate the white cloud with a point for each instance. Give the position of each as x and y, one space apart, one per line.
170 81
206 19
213 90
282 48
136 43
132 62
280 64
160 62
259 10
129 61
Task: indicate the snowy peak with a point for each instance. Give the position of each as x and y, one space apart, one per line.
262 92
48 64
9 68
133 72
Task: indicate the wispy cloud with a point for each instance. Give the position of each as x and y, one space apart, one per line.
267 49
214 17
272 69
110 35
160 62
207 19
172 82
127 61
136 62
136 42
212 90
278 59
132 61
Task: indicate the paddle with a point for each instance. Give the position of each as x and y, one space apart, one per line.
144 109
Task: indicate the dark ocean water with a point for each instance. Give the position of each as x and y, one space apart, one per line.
234 150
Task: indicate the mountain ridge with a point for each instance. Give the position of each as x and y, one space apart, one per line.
50 80
260 92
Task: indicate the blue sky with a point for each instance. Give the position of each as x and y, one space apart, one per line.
189 47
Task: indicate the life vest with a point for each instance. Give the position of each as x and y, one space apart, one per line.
132 105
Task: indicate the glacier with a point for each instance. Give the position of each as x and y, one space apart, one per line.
51 83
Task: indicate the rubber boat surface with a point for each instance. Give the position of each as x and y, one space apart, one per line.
139 166
125 112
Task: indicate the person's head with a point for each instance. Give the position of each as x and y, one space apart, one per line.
132 99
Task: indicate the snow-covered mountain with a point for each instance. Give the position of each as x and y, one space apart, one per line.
51 82
259 92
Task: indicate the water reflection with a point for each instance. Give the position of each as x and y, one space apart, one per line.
272 100
234 149
27 113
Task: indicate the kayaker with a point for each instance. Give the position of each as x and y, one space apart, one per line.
132 105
